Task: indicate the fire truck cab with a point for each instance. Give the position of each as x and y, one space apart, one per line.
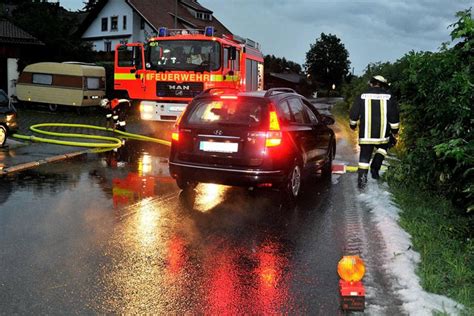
164 74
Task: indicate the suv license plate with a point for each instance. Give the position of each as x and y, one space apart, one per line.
219 147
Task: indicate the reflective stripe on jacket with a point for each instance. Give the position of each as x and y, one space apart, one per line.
377 113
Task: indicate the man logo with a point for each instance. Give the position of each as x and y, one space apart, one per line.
178 93
218 132
177 87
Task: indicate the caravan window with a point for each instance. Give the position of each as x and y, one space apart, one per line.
43 79
92 83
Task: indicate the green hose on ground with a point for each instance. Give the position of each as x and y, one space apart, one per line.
109 144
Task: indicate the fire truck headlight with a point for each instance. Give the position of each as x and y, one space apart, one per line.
351 268
146 108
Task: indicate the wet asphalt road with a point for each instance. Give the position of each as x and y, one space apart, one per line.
111 233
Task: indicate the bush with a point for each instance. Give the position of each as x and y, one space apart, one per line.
436 96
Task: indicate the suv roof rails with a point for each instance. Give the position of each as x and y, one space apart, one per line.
272 91
208 91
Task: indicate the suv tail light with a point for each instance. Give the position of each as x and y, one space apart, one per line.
175 133
273 135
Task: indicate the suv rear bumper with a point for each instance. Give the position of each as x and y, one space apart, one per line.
226 176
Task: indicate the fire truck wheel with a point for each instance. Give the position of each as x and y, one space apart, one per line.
53 107
3 135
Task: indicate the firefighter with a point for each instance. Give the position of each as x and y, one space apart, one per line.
376 110
116 112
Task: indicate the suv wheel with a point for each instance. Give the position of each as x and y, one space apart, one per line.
3 135
185 184
326 171
293 184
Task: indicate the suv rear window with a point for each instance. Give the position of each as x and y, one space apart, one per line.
242 111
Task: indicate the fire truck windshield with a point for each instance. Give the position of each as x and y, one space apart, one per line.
186 55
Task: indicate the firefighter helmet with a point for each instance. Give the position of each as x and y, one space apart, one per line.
380 79
104 102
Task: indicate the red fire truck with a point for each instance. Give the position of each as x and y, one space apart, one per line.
165 73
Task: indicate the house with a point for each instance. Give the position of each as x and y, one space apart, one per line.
15 44
114 22
294 81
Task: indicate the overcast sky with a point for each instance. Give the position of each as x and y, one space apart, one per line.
371 31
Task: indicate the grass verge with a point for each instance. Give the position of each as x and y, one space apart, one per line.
442 239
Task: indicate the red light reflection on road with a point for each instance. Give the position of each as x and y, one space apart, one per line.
248 283
272 289
176 255
223 296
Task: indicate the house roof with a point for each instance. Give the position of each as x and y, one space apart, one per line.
160 13
11 34
290 77
195 5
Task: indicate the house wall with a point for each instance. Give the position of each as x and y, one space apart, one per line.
132 33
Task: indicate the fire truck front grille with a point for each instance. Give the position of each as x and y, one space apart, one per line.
178 90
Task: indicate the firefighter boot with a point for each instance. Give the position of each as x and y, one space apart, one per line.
362 178
375 165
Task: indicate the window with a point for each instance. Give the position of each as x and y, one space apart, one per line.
108 46
124 22
203 16
243 112
129 56
92 83
251 75
114 23
142 24
43 79
312 116
104 24
285 112
299 114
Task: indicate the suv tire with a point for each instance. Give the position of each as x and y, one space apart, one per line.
326 171
292 186
3 135
185 184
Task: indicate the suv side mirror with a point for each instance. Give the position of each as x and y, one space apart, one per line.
328 120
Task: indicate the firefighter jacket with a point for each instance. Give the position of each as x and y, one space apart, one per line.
378 116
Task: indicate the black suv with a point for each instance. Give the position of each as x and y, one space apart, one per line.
257 139
8 118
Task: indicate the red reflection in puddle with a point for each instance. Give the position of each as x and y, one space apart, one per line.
248 283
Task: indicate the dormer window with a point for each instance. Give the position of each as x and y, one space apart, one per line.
203 16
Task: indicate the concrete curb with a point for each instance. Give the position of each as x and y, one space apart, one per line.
34 164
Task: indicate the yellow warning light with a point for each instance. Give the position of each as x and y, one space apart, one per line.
351 268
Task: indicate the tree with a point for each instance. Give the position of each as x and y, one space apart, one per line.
327 61
51 24
279 65
89 5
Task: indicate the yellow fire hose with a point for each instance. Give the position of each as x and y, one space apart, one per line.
108 144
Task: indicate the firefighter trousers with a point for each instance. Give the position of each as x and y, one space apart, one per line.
366 151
